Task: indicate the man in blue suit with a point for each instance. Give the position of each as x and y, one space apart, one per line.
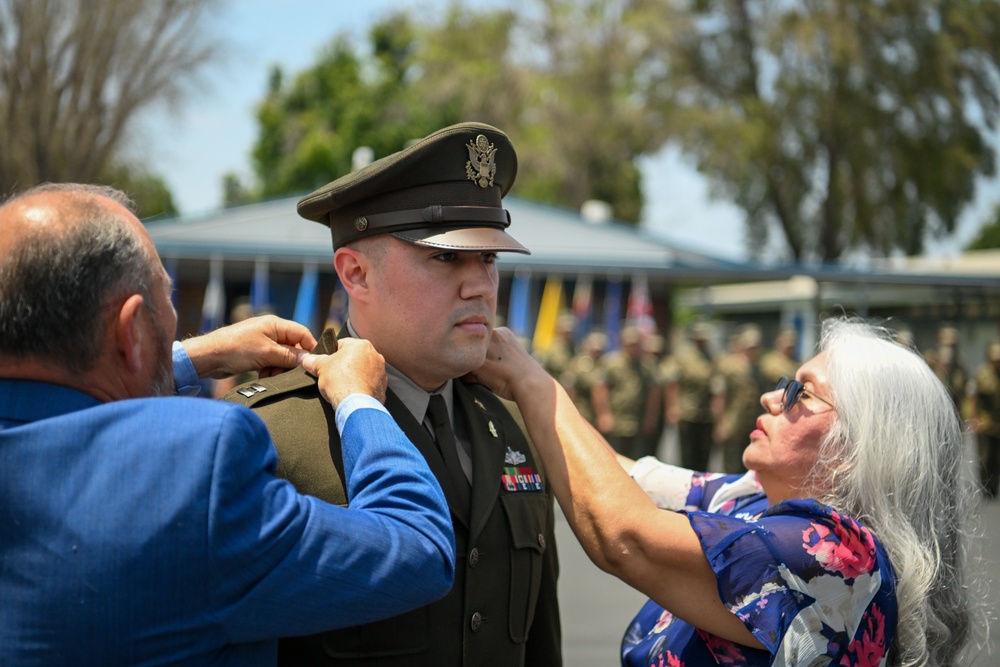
142 530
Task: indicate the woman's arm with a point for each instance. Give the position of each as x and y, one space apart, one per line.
654 551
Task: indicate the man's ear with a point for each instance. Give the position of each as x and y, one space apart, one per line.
130 333
352 269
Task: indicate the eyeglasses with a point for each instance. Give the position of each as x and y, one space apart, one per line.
792 390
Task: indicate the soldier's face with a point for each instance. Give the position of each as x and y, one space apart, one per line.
432 310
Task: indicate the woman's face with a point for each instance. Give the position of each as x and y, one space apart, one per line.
785 445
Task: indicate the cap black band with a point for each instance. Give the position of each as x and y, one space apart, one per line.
416 218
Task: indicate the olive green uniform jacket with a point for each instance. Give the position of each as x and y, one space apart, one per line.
502 609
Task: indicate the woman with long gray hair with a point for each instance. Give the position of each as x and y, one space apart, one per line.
846 543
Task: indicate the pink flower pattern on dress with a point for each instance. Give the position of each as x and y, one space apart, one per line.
725 652
663 623
848 551
776 564
868 649
667 659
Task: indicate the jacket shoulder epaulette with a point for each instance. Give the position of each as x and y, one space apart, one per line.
255 392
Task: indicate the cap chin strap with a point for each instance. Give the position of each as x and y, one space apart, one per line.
397 221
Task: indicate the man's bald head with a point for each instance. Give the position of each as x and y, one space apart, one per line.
66 251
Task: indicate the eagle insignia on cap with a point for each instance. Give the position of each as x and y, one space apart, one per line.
481 166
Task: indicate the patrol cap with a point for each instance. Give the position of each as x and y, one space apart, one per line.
443 191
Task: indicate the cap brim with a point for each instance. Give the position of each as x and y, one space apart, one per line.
464 239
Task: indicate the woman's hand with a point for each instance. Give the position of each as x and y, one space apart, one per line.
508 368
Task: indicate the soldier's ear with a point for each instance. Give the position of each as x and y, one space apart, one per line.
352 269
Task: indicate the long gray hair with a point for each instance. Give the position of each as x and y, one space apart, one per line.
895 460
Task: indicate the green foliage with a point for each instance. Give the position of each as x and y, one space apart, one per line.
575 120
989 234
845 125
151 196
310 128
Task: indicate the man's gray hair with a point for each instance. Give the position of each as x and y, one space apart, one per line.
54 289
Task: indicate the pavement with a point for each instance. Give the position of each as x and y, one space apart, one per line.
596 607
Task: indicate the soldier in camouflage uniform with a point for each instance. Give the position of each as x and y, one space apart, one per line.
583 372
555 359
985 413
779 361
737 398
947 364
626 400
687 375
654 352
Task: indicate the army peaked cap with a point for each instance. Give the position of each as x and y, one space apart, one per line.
443 191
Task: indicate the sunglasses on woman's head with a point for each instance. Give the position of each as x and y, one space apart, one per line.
792 390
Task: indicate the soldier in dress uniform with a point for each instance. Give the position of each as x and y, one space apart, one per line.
415 237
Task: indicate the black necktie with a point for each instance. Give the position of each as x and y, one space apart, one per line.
437 411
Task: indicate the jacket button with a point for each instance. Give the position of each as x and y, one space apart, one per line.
477 621
541 540
474 557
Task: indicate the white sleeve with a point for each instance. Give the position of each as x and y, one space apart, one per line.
667 485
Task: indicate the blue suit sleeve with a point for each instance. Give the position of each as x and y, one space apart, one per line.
287 564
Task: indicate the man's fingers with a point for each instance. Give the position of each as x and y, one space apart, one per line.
311 362
294 335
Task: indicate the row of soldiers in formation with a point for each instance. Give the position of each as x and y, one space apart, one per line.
631 394
976 397
713 398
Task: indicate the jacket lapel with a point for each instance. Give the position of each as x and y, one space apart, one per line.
488 447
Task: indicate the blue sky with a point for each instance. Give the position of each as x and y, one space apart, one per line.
212 132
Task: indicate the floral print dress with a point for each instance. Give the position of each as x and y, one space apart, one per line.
813 586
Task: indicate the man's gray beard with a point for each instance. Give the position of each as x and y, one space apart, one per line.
163 384
163 381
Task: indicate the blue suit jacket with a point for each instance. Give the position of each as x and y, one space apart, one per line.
153 531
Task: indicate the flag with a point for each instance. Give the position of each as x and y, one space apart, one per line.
640 307
548 314
582 293
613 310
305 302
520 303
260 296
213 308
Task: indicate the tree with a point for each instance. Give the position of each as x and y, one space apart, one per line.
151 196
562 79
989 234
309 128
843 124
73 76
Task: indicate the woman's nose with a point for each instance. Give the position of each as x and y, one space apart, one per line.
771 400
